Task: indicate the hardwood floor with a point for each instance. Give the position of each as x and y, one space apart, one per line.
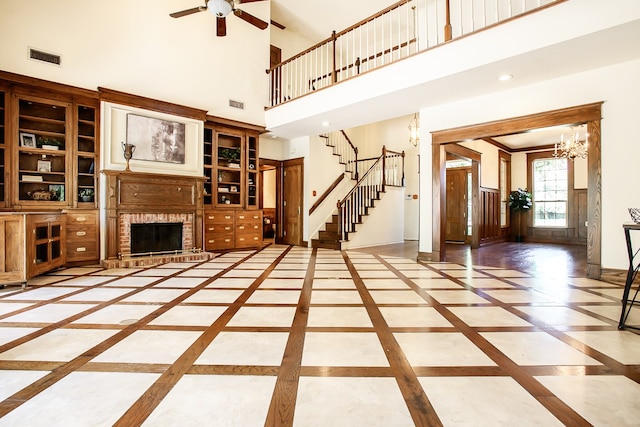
291 336
538 259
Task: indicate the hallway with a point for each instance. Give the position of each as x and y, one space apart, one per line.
296 336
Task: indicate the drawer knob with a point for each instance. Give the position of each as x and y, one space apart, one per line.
227 240
227 228
81 219
81 233
81 249
212 217
241 227
227 217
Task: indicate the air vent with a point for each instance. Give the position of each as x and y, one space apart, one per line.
236 104
39 55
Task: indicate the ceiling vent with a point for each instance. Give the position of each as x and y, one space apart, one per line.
40 55
236 104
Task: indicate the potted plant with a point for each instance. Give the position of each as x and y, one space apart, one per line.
86 195
520 202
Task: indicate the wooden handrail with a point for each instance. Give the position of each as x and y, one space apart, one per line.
355 187
326 193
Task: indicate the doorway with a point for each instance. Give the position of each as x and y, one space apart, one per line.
292 201
590 114
457 212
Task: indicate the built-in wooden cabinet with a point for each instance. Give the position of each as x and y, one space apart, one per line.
32 244
49 152
231 190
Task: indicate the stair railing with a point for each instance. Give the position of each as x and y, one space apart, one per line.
397 32
388 169
345 150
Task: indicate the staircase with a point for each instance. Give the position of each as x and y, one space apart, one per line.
344 149
388 169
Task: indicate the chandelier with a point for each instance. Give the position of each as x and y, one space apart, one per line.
414 131
573 147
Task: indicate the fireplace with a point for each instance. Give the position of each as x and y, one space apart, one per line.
159 237
152 201
136 226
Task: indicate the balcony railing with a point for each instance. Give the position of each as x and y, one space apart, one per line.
401 30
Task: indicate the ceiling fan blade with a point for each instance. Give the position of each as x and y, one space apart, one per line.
250 19
248 1
187 12
221 24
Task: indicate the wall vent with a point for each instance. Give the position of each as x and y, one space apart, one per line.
40 55
236 104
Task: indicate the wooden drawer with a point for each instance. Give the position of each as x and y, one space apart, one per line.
249 217
82 218
218 217
217 241
218 228
82 250
82 234
248 240
248 227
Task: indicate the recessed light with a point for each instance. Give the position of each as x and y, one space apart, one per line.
505 77
325 124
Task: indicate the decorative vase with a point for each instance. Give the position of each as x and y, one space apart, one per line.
128 150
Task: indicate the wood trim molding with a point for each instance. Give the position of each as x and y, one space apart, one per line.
235 123
123 98
565 116
36 87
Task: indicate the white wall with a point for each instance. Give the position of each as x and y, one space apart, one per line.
136 47
269 189
489 162
619 153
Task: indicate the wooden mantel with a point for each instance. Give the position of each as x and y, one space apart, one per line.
134 193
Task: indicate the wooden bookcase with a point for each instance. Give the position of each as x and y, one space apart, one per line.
231 190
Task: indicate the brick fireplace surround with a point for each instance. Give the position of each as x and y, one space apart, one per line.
134 198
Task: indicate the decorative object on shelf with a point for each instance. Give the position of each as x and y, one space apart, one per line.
520 201
128 150
635 215
58 190
86 195
229 154
47 143
27 140
44 166
414 130
219 176
573 147
41 194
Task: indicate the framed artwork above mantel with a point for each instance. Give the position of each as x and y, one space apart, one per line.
165 143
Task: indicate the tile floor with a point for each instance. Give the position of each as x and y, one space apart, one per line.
290 336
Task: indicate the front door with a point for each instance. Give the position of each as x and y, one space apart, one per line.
456 229
292 190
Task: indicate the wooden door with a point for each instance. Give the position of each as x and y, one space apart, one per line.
456 229
292 190
275 57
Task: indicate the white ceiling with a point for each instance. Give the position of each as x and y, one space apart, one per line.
315 20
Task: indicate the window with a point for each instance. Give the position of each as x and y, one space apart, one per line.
550 192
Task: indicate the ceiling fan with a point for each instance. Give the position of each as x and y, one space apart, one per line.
221 8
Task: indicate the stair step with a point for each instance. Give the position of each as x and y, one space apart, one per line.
325 244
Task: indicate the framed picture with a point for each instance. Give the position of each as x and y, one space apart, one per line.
27 140
156 139
58 191
44 166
